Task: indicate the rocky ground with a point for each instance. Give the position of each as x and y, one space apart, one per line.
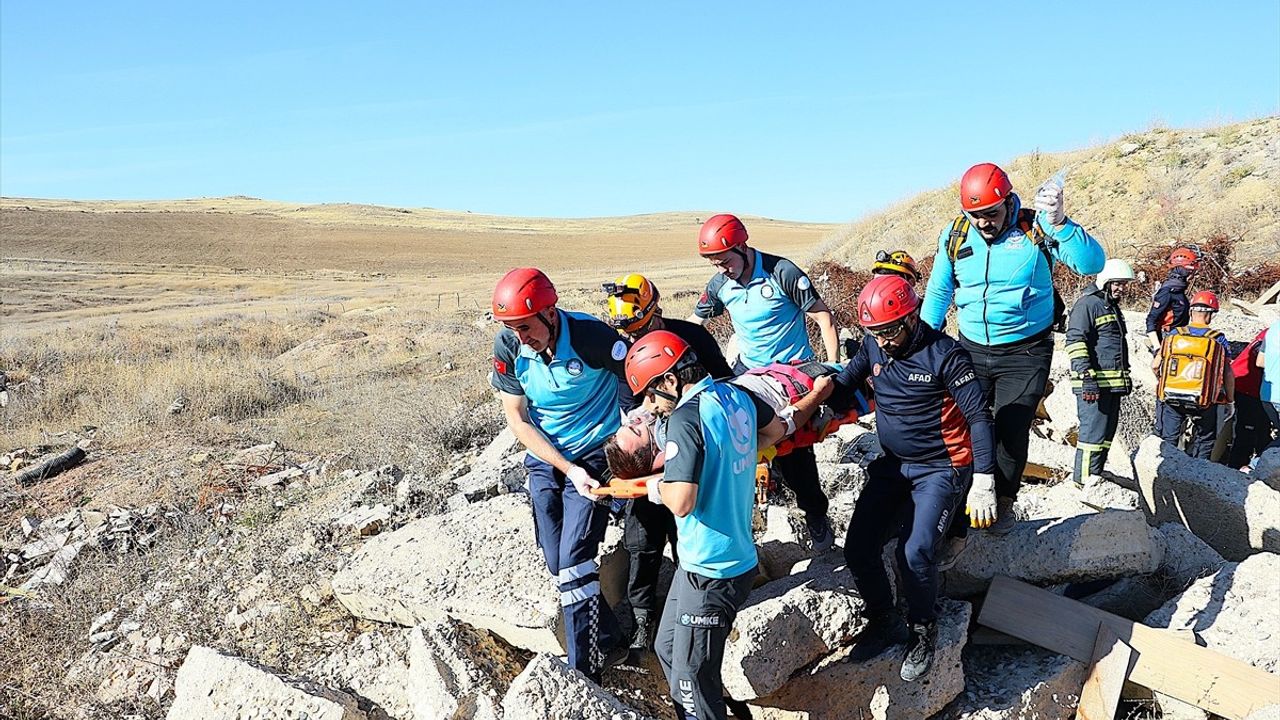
293 589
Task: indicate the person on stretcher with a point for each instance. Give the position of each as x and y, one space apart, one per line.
636 450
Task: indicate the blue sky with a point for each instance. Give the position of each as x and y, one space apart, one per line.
803 111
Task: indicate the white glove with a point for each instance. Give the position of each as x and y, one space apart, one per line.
584 483
1049 201
981 503
1231 411
651 487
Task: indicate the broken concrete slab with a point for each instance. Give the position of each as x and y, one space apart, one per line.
1027 683
1235 514
1050 501
440 669
1232 610
836 688
449 563
364 521
1267 469
1112 543
212 686
550 690
789 623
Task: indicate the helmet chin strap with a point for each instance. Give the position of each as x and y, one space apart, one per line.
552 332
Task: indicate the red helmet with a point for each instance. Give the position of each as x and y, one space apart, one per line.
521 293
984 186
720 233
886 299
654 355
1185 257
1205 299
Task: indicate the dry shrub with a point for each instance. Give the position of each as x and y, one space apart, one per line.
1216 272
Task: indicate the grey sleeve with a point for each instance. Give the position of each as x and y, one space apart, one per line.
709 304
503 375
685 446
797 286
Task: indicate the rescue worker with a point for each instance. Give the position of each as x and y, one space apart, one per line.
1170 308
1252 432
898 262
634 311
1171 421
1100 376
768 298
708 482
936 431
996 260
558 375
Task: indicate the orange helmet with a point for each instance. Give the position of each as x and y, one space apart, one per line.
655 355
898 262
720 233
984 185
633 301
1185 257
522 293
1204 300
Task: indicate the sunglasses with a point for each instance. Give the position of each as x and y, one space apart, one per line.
988 214
887 331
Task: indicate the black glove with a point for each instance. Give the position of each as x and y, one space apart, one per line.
1089 389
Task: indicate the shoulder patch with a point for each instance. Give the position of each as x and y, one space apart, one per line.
804 283
672 450
619 351
499 366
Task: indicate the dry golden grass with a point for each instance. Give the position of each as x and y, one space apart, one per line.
1156 187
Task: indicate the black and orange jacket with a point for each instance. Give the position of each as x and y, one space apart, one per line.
930 407
1170 308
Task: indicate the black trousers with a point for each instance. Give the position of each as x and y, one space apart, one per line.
1171 422
1014 377
646 530
1252 432
799 470
1098 422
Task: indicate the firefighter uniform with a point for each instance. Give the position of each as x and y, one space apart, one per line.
1099 357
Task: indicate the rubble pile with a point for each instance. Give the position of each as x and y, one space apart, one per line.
50 547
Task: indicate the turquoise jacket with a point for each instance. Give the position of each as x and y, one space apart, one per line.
1003 291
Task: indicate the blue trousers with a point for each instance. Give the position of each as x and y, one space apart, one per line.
917 502
569 529
1171 422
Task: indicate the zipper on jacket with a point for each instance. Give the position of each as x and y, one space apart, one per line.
986 283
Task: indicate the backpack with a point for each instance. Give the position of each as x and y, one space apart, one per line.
1191 369
1027 222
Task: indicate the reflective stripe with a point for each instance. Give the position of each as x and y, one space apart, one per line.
1104 319
578 571
577 595
1077 349
1089 446
1111 373
1106 444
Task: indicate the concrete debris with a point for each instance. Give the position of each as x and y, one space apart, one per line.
1026 683
1106 495
1050 501
550 690
364 521
787 624
836 478
1086 547
480 565
131 667
1270 712
212 686
498 469
57 542
836 688
1050 460
1233 611
783 543
851 443
1231 511
440 669
278 479
1267 469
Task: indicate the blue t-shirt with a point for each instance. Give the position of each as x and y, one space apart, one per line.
1270 389
711 441
767 311
575 399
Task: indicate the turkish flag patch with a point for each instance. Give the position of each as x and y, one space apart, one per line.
499 366
703 299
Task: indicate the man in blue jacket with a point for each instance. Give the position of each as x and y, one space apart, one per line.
559 375
768 299
996 262
935 428
1170 308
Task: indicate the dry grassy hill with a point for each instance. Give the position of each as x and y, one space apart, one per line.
1150 188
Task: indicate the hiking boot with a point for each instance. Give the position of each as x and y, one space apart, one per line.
884 630
642 638
920 648
1005 518
821 537
951 553
616 656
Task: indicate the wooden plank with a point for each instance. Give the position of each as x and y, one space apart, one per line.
1100 695
1164 663
987 636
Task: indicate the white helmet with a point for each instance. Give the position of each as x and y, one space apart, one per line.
1115 269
